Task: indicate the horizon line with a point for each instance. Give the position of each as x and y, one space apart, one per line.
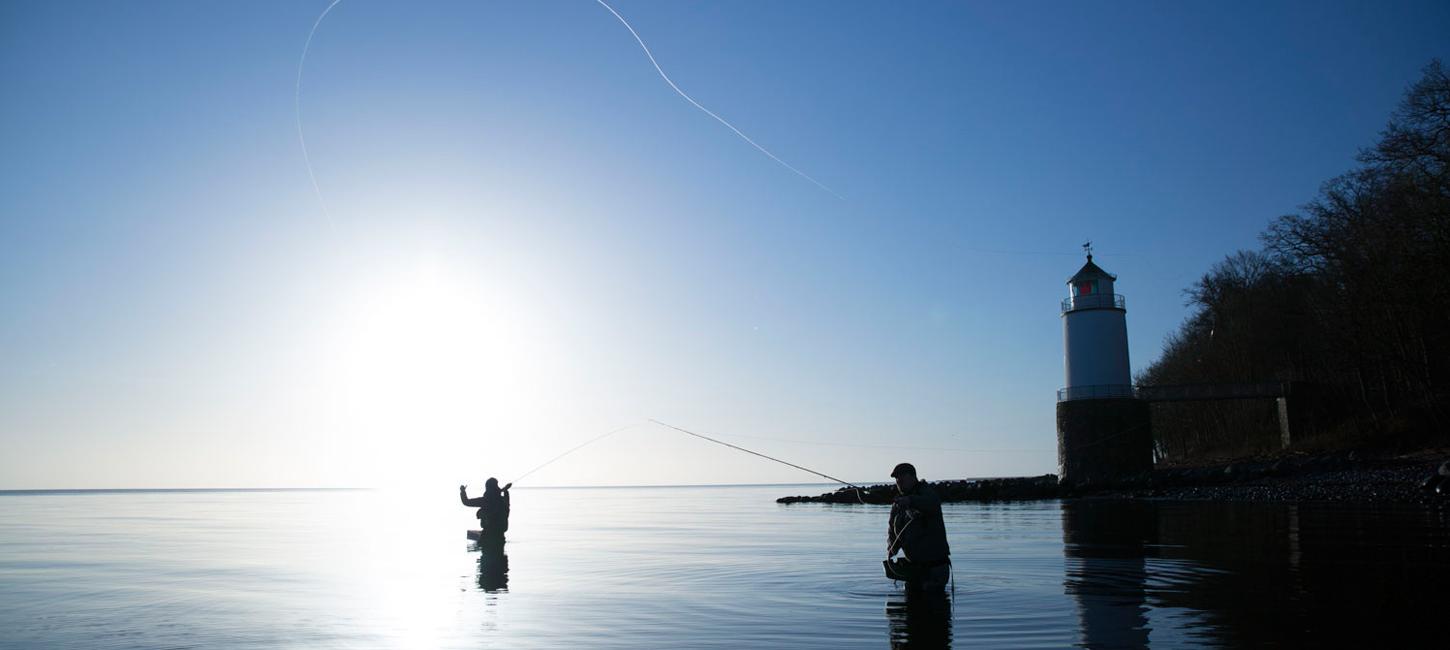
25 491
37 491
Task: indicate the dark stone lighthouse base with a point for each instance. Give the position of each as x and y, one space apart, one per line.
1103 441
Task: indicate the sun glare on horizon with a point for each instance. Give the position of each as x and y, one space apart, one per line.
428 365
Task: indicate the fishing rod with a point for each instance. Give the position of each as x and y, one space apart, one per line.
895 533
756 453
574 449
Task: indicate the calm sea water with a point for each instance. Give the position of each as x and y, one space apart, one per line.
717 567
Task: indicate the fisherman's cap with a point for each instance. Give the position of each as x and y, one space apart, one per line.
903 468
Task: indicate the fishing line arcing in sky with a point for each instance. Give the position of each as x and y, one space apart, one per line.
307 158
707 111
297 110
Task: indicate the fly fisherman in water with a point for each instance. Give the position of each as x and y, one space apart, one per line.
917 530
493 511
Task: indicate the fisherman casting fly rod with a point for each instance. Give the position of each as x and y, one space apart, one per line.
915 527
493 506
493 512
917 530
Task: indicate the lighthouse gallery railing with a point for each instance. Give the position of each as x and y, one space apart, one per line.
1102 391
1094 301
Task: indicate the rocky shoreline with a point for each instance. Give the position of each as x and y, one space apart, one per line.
1352 477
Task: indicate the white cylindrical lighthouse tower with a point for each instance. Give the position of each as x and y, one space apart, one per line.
1104 433
1095 337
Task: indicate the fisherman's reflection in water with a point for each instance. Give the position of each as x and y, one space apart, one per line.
493 568
920 619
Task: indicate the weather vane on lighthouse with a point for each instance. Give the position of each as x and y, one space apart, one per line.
1087 247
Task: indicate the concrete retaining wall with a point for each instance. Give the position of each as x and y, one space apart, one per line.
1103 440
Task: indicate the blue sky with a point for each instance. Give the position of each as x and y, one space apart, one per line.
525 238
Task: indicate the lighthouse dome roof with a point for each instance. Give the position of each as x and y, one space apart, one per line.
1090 271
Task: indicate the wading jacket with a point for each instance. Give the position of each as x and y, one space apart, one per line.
918 529
493 511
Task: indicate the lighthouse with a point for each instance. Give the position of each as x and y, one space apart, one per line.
1095 337
1103 432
